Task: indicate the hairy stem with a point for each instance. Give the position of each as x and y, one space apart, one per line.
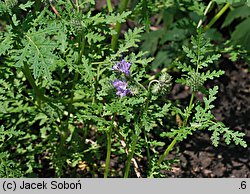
107 163
147 145
130 155
109 134
114 40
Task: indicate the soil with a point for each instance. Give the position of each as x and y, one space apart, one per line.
198 157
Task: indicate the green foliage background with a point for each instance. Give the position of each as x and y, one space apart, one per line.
58 109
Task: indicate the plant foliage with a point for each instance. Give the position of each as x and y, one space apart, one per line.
69 100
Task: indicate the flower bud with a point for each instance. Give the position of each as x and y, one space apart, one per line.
163 85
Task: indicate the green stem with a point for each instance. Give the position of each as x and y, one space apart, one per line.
31 80
109 4
25 68
65 125
81 47
114 40
109 135
189 109
96 84
107 163
147 145
85 132
130 155
174 141
145 110
137 83
70 105
40 97
164 155
217 16
140 85
77 6
169 148
150 83
205 13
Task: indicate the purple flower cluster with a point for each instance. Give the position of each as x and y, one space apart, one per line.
121 87
123 67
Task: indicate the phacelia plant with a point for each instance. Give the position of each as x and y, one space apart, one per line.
76 92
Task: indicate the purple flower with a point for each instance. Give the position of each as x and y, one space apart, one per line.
122 66
121 87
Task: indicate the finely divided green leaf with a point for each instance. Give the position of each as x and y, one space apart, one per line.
26 5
